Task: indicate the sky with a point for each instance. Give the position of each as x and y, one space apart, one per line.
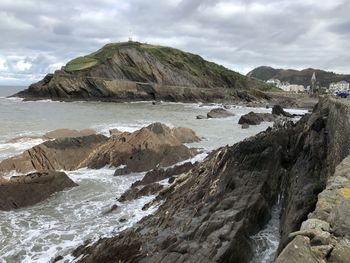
39 36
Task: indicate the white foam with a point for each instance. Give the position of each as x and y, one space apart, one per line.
10 149
267 240
68 218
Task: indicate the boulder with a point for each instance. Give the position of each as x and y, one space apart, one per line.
21 191
278 110
253 118
219 113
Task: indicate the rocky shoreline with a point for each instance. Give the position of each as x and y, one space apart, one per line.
208 213
209 210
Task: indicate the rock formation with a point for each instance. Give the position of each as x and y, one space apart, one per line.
30 189
142 150
136 71
208 213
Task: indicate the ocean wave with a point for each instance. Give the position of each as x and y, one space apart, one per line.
67 219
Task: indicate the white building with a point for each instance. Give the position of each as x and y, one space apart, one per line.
275 82
339 86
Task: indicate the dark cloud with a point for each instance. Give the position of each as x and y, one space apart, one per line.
39 36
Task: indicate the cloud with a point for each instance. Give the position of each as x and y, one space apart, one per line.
41 36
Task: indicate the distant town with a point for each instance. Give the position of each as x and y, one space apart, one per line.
314 87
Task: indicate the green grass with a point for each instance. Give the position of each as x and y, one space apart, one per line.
80 63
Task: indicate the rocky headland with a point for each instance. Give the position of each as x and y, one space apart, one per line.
136 71
208 213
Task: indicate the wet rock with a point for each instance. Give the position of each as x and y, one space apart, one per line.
245 126
137 192
201 117
219 113
278 110
21 191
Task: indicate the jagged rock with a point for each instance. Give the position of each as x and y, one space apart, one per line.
278 110
63 153
219 113
201 117
137 192
30 189
207 214
145 149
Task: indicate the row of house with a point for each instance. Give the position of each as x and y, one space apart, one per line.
286 86
293 88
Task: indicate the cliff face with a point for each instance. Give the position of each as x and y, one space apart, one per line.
136 71
208 214
300 77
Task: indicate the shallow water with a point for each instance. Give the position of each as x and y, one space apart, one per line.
64 221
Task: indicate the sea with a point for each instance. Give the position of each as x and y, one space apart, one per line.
67 219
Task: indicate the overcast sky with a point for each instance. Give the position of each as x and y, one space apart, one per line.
39 36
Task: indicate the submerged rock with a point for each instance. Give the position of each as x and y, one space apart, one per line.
201 117
30 189
219 113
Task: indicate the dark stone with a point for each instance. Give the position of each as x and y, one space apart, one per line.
278 110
